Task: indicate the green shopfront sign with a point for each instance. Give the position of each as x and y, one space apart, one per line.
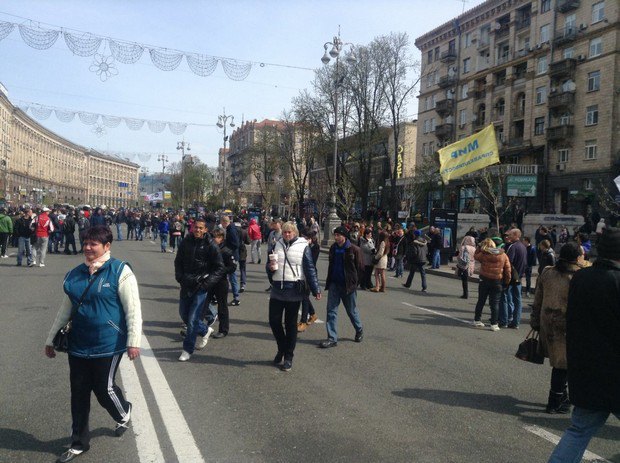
521 185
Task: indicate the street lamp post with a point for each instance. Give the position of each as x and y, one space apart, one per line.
182 145
337 45
222 120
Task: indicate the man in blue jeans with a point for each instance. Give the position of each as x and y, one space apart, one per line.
592 348
346 267
198 267
511 306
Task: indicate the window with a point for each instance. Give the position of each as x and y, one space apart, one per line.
563 155
565 119
427 103
462 117
544 33
464 91
545 5
452 45
500 77
590 151
594 81
467 41
596 47
437 54
427 125
485 32
431 147
466 65
424 149
598 12
430 79
503 53
433 124
539 126
429 58
541 95
500 107
481 114
592 115
570 23
568 53
588 184
541 65
434 101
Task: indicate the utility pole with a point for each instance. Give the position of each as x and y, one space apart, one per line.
181 145
222 120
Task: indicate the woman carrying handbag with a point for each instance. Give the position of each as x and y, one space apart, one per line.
381 261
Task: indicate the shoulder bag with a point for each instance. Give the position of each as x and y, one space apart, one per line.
61 340
530 350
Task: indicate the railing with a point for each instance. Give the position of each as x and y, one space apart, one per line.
523 23
566 5
448 56
447 81
562 100
444 106
480 94
565 35
444 130
560 132
507 169
563 68
502 31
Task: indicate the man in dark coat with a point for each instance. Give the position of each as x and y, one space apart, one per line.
593 348
346 268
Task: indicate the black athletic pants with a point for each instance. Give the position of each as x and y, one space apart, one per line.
93 375
286 336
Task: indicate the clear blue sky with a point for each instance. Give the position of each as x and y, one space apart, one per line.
284 32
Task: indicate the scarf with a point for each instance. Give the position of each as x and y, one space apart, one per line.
97 263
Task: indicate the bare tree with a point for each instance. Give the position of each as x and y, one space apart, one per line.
491 184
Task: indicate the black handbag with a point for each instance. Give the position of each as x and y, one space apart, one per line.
61 339
530 350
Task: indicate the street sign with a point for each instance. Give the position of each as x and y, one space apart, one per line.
521 185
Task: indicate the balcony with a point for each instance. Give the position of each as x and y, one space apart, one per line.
507 169
448 56
480 94
523 23
502 31
564 6
560 132
444 130
564 35
444 107
563 68
447 81
564 100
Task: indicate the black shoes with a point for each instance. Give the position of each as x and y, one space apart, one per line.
327 344
268 289
287 365
234 302
278 358
359 335
242 289
219 335
121 427
406 285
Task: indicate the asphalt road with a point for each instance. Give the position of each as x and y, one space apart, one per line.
423 386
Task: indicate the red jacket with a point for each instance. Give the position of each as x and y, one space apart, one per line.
254 230
44 226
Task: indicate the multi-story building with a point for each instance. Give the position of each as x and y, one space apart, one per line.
378 170
546 73
39 166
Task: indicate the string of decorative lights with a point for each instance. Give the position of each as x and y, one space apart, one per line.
101 121
87 44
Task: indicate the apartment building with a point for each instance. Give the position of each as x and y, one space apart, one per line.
546 73
37 165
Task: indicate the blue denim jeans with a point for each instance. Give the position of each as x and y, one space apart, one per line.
399 267
164 241
139 233
336 294
412 270
23 246
584 424
234 284
119 232
436 258
510 308
190 310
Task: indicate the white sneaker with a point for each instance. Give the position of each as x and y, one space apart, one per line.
4 256
184 356
41 265
494 328
478 324
201 343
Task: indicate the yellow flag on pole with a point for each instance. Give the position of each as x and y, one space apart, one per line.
469 154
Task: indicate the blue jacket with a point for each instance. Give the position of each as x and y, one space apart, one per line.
164 226
98 328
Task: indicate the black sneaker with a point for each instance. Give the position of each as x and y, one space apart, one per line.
359 336
234 302
327 344
121 427
268 289
287 365
219 335
278 358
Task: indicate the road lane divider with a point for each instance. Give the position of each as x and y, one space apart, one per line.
540 432
435 312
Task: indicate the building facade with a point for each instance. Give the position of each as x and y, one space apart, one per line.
546 74
40 167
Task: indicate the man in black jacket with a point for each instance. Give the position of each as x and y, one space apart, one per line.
220 291
346 267
24 229
68 229
593 348
232 241
198 266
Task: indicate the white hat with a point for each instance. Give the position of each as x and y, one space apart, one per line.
45 209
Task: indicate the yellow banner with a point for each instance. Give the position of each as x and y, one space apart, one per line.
469 154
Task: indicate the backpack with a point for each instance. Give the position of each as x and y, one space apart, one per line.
462 262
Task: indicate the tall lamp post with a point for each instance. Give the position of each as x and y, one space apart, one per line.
163 158
222 122
337 46
183 145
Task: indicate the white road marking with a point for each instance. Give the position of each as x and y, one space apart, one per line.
540 432
178 430
149 449
437 313
152 242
